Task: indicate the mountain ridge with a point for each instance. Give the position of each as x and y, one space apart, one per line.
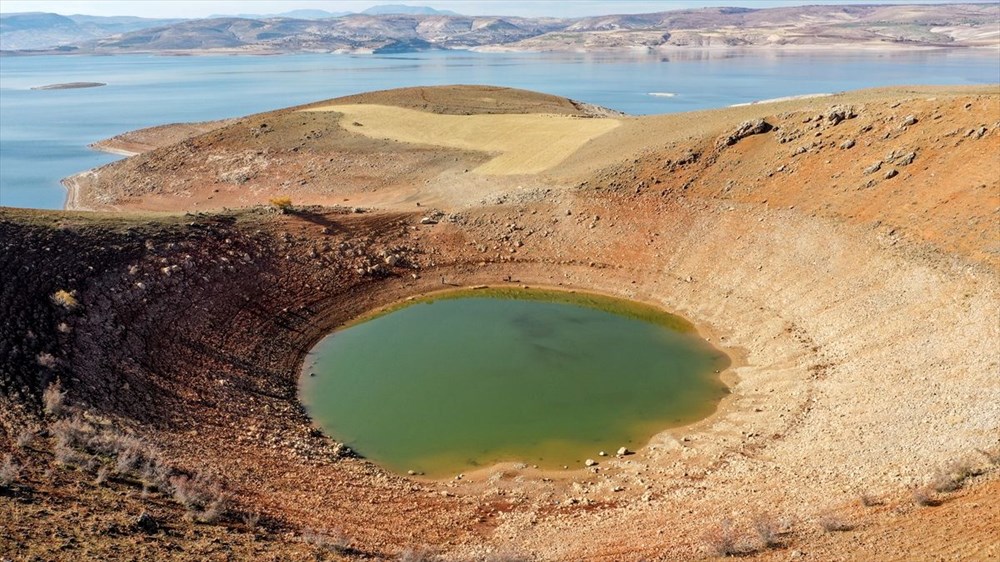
922 25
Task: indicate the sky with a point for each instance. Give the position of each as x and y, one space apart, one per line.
560 8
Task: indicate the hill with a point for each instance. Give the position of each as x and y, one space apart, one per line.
404 28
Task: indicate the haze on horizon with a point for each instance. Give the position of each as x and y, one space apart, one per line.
569 8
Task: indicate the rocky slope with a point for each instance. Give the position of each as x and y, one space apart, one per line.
859 307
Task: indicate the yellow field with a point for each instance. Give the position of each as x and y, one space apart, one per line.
524 143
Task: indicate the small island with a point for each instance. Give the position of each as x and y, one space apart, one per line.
70 86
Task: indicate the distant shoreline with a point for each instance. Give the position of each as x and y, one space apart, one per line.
70 86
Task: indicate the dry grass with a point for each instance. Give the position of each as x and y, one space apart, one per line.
952 477
525 144
868 499
723 540
65 299
54 399
832 523
283 204
769 530
923 497
331 541
10 471
203 497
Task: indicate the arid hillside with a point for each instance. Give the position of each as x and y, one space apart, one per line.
843 250
825 26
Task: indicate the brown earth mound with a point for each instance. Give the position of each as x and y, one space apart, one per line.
860 308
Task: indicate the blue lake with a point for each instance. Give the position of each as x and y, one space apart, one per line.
44 134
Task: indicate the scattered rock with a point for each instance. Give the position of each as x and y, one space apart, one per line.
590 462
622 451
746 129
839 113
428 220
906 159
849 143
147 523
873 168
799 150
891 174
909 120
602 454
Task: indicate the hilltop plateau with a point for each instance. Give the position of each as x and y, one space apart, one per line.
843 250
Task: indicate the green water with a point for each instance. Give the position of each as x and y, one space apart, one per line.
473 378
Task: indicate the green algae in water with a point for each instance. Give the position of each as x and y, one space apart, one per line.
471 378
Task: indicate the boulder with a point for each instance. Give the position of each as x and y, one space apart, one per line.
746 129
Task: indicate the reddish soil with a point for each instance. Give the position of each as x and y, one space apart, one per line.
860 311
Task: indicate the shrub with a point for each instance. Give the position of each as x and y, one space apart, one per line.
9 472
65 299
202 496
992 456
73 433
952 477
251 520
868 499
768 530
834 523
54 399
283 203
24 438
923 497
335 541
723 539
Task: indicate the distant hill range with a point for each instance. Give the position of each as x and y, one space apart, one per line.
396 28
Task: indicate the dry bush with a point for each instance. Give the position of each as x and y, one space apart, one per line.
9 472
769 530
992 456
68 456
282 203
54 399
73 433
723 540
46 360
331 541
923 497
868 499
834 523
952 477
251 520
65 299
25 438
203 497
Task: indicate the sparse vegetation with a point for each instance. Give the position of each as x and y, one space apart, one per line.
769 530
868 499
331 541
832 523
25 438
923 497
203 497
952 477
282 203
65 299
54 399
723 540
10 471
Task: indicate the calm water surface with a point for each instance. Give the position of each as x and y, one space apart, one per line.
449 385
43 134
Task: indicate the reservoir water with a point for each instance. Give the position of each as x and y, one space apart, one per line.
44 133
472 378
